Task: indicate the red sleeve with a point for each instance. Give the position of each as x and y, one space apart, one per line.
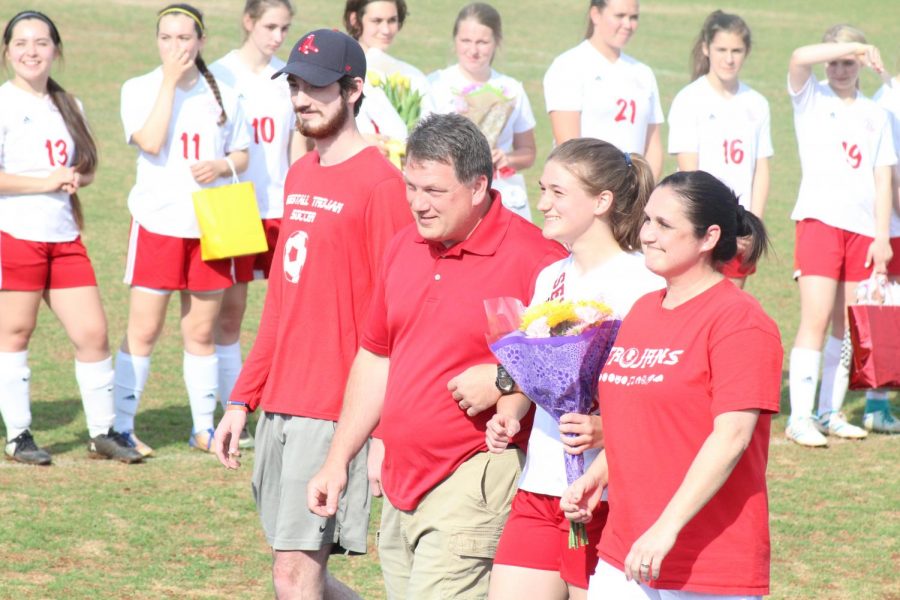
386 213
746 371
375 337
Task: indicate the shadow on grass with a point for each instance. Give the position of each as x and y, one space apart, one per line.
53 414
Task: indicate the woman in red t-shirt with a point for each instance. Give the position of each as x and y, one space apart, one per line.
687 396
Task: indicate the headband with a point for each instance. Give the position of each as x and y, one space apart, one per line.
182 11
30 14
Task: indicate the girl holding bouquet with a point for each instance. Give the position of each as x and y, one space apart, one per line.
190 133
275 144
687 397
593 197
721 126
375 24
47 154
596 90
497 103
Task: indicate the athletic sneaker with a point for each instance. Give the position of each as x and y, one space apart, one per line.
133 441
113 445
202 440
246 441
23 449
881 421
835 423
802 430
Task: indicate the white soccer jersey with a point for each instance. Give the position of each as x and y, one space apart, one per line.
728 134
34 141
161 197
888 97
618 101
270 117
839 145
446 89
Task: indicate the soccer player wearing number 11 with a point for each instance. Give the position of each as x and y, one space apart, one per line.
719 125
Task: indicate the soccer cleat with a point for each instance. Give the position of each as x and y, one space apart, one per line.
113 445
881 421
802 430
835 423
246 441
23 449
202 440
133 442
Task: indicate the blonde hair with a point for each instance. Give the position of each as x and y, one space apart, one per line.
843 34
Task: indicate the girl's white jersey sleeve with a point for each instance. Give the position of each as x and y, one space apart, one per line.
618 283
617 101
839 145
888 97
34 141
270 116
160 200
728 134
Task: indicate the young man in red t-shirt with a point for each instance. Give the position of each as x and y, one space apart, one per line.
343 203
446 497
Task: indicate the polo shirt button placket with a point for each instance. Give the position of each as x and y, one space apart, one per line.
437 276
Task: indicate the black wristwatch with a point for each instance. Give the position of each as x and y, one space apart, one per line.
504 381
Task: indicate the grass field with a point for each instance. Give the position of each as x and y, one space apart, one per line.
181 526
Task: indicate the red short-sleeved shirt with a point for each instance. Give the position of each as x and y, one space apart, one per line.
428 317
670 373
337 222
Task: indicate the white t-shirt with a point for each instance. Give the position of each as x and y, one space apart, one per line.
618 100
839 145
271 119
888 97
618 283
34 141
160 200
728 134
446 89
377 114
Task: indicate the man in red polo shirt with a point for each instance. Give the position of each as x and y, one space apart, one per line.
446 497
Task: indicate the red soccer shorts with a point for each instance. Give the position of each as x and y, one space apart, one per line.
163 262
536 536
28 266
894 265
827 251
256 266
735 270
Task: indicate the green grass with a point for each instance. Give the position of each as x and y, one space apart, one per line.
181 526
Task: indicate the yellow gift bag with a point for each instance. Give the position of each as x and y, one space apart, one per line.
229 221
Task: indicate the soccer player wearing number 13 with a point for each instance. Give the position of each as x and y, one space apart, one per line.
719 125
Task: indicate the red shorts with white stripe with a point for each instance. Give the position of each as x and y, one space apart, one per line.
536 536
164 262
827 251
256 266
28 266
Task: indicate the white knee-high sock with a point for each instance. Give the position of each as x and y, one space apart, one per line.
15 403
229 369
804 371
835 377
131 377
201 377
95 381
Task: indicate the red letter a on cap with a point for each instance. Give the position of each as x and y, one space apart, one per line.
308 44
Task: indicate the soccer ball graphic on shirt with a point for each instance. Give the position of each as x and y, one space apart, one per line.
295 255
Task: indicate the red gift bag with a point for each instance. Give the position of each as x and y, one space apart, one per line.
875 335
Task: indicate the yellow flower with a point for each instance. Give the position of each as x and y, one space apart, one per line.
373 79
559 312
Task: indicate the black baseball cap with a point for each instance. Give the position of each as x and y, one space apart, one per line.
323 56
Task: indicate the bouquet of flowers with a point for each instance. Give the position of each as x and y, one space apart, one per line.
555 356
405 100
489 107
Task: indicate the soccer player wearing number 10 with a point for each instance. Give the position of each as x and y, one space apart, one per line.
719 125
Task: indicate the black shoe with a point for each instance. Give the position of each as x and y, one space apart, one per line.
113 445
23 449
246 440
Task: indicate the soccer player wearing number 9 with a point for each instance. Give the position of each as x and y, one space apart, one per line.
719 125
275 144
596 90
843 215
190 134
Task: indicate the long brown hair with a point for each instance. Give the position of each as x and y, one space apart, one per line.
85 161
716 21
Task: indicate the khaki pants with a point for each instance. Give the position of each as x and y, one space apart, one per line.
444 548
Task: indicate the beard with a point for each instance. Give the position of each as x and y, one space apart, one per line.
325 129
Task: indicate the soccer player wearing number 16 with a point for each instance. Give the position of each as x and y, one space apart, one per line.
719 125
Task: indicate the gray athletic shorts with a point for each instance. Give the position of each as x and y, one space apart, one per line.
289 451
